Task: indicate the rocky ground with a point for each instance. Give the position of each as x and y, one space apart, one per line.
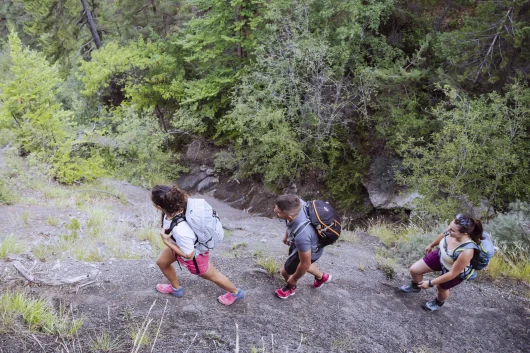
358 311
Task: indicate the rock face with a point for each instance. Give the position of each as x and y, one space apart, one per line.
190 181
382 189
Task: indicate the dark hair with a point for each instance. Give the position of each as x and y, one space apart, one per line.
170 199
289 204
471 226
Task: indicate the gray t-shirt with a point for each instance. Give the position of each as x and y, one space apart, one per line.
302 234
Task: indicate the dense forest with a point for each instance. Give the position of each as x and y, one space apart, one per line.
287 89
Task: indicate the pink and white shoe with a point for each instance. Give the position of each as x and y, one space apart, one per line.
326 277
168 289
230 298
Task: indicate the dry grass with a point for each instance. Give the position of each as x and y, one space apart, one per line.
515 266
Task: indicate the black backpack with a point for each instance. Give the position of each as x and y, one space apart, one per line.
325 220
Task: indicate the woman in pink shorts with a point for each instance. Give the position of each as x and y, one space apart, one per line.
460 231
180 244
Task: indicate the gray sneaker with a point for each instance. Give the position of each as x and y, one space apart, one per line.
431 305
409 288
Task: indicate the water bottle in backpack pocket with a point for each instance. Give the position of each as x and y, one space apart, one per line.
483 254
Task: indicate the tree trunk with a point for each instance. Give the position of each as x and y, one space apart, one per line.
91 23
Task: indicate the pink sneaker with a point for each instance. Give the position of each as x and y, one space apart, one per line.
230 298
168 289
285 292
326 277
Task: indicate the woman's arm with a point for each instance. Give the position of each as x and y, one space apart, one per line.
434 243
175 247
462 261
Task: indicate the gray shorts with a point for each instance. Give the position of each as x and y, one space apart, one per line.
292 262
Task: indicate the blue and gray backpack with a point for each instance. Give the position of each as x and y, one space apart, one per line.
483 254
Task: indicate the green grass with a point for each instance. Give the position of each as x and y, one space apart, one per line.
515 265
74 224
54 222
7 197
151 235
138 336
348 236
37 315
104 342
239 245
11 245
271 265
25 217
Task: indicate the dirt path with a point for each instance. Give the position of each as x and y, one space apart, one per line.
359 311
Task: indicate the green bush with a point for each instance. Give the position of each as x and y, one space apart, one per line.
511 230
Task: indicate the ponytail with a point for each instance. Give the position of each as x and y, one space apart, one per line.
476 233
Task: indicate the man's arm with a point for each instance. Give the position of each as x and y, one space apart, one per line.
303 266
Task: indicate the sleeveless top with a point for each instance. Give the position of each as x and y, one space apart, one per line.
445 257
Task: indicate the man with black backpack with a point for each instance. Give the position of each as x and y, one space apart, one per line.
304 245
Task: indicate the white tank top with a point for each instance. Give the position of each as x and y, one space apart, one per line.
445 256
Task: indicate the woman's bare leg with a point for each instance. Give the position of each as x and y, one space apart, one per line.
443 294
418 270
164 262
218 278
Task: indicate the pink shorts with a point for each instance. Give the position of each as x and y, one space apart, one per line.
203 263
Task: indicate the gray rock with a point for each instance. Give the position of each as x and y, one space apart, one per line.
383 191
189 182
210 171
207 183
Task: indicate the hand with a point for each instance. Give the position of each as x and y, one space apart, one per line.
285 241
291 282
164 235
424 284
428 249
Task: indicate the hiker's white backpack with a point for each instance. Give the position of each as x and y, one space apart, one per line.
204 222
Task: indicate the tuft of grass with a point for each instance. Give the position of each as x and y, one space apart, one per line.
53 192
386 264
25 217
97 221
349 237
271 265
105 343
7 197
138 336
257 253
151 235
384 232
239 245
54 222
11 245
37 315
74 224
361 266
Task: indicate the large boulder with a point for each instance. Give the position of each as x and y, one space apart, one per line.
383 191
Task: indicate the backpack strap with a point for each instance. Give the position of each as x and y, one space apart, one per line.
196 265
175 222
468 245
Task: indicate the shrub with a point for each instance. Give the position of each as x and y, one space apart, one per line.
511 230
